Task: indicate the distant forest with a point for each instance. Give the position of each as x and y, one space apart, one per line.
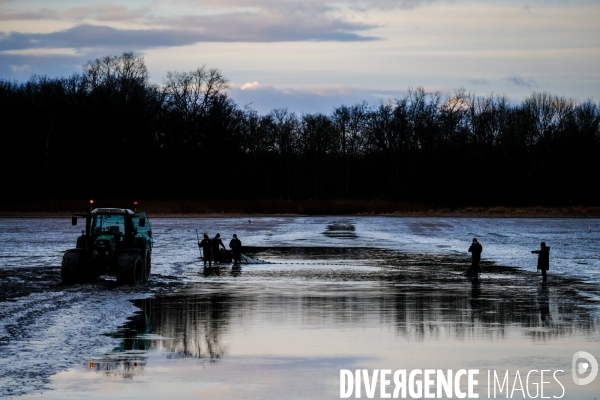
109 132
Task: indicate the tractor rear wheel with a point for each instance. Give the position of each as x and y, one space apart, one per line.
130 269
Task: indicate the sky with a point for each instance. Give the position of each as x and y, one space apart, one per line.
314 55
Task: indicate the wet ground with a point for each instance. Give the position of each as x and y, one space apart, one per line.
283 328
308 313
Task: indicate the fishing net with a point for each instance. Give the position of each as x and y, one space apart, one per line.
251 260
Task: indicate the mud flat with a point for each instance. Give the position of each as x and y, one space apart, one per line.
285 329
255 208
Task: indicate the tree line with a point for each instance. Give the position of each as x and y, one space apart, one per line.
109 132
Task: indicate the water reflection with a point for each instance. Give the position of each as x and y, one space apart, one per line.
236 270
125 367
412 298
136 333
182 326
217 271
474 301
189 326
196 322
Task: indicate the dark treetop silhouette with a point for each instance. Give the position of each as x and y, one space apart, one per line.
109 128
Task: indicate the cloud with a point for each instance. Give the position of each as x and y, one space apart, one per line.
108 12
281 7
91 36
316 9
478 81
44 13
275 4
263 21
521 82
394 4
250 85
216 21
269 26
237 29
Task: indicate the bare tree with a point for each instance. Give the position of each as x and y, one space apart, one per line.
192 93
120 73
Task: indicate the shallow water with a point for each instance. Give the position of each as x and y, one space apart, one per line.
337 293
574 242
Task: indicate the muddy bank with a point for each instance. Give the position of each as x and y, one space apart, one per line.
256 208
47 327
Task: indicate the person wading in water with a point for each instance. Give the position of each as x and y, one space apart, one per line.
206 245
216 242
543 259
475 251
236 249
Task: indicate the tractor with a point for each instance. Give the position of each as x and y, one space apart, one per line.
116 241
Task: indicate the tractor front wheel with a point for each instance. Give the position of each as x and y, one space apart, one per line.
70 269
130 269
73 268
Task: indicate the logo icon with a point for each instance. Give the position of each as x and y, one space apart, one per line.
584 362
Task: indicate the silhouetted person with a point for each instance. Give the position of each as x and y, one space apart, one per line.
216 242
475 251
543 259
236 249
206 245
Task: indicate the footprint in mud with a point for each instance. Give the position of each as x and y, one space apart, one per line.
341 230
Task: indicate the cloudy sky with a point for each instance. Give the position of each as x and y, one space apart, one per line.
313 55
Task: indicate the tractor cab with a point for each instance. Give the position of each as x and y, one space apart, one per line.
112 221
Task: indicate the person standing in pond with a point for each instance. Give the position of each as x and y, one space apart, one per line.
206 245
236 249
475 251
216 242
543 259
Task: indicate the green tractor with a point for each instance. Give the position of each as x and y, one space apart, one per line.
116 241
